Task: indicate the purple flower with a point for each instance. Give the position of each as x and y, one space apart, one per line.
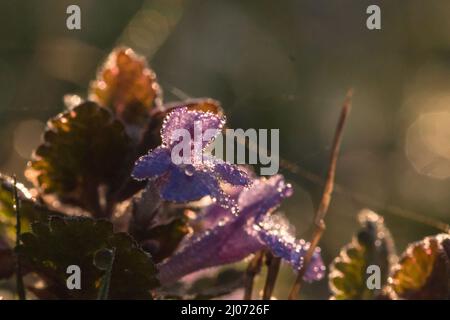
230 238
180 167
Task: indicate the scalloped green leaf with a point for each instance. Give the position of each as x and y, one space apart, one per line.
30 209
84 158
423 271
373 245
163 239
51 247
159 227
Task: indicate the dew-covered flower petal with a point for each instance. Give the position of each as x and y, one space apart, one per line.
277 234
207 125
231 173
212 214
153 164
264 196
182 181
231 238
208 249
186 184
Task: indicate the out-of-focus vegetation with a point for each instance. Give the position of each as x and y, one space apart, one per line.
283 65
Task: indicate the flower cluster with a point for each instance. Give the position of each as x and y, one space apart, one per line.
237 223
199 176
134 225
230 238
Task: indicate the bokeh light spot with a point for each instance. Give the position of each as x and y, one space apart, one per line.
27 135
428 145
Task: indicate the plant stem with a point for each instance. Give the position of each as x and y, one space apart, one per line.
319 220
103 291
253 268
273 265
19 280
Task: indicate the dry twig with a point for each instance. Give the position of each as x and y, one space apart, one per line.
319 222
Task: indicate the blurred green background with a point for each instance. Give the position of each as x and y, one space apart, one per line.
272 64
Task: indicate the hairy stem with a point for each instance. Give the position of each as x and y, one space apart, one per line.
253 268
273 267
103 291
319 220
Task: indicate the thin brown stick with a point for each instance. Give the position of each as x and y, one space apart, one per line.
273 267
253 268
319 222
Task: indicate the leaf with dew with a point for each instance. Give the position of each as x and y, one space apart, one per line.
83 159
423 271
372 245
51 247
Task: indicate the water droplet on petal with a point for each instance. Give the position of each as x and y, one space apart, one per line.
189 171
285 189
288 190
222 222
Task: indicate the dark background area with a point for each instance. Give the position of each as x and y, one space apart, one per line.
272 64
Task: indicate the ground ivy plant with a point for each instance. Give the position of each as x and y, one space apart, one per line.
105 197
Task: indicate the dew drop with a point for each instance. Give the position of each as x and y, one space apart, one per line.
222 222
234 210
285 189
189 171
